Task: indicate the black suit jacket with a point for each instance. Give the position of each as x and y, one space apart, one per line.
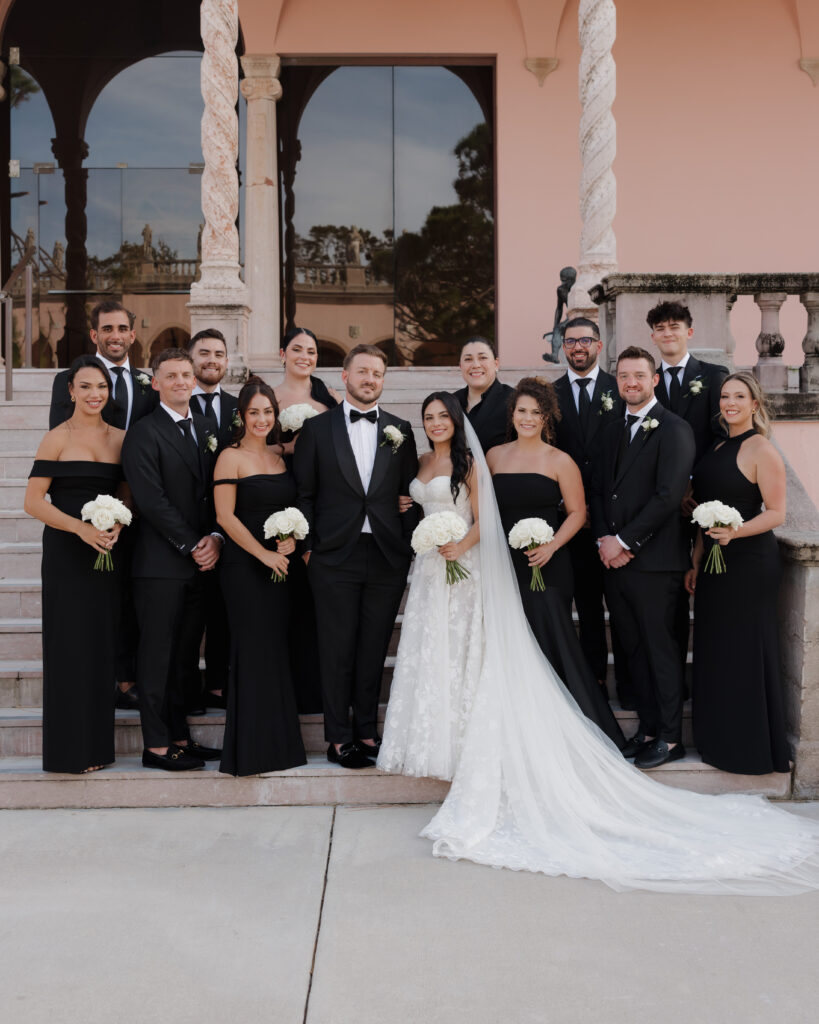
333 499
639 499
700 411
145 400
489 416
228 405
172 492
568 436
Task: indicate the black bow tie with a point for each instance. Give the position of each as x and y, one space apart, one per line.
356 415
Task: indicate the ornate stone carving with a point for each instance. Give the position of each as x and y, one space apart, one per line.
541 67
810 65
598 146
220 146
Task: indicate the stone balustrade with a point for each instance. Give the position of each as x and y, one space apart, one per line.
625 299
336 276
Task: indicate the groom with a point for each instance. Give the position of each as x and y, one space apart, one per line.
640 477
350 469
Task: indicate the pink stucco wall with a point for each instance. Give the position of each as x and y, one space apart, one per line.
716 153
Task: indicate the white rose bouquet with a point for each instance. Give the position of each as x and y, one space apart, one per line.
436 530
104 512
293 417
528 534
289 522
715 513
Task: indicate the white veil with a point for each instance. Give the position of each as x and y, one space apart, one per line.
540 788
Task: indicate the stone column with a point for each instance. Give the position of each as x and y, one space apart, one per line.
770 368
261 88
70 153
598 146
809 373
219 297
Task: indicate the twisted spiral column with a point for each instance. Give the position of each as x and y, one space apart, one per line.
598 147
219 297
220 147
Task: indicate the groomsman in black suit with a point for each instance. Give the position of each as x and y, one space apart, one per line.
639 481
132 397
168 460
690 388
208 349
588 400
351 465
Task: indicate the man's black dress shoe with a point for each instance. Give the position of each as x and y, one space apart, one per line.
350 756
658 752
198 750
176 760
126 700
367 750
635 745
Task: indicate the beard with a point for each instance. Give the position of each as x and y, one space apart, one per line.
366 398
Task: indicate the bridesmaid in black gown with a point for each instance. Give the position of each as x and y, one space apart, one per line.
75 462
737 705
532 479
299 356
251 481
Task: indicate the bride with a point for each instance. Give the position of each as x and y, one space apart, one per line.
538 787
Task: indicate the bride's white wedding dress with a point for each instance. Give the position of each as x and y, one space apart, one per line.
540 788
440 655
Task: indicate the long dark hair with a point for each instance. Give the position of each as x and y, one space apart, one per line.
81 362
256 386
294 332
460 455
544 394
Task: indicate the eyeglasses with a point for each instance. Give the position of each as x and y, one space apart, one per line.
583 342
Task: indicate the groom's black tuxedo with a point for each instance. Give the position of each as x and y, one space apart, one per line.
587 568
357 578
171 484
636 495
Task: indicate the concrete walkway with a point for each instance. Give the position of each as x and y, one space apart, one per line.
316 915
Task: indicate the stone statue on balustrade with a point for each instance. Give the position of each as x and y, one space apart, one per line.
354 247
568 276
58 256
147 242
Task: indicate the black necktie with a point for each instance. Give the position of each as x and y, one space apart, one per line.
584 405
675 390
208 410
356 415
186 426
631 419
120 395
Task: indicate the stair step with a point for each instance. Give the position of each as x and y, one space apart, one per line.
17 526
20 598
12 492
23 784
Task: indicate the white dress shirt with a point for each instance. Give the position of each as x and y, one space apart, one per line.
127 380
575 377
364 442
667 376
217 401
175 416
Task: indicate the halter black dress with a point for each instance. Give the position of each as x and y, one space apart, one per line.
81 612
737 705
262 732
533 495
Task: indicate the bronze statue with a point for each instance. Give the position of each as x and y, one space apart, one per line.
568 276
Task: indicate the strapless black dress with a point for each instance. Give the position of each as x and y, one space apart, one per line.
81 609
262 732
533 495
737 706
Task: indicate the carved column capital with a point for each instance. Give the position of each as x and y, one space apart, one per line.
261 89
69 152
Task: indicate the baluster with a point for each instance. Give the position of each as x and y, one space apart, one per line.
770 368
809 373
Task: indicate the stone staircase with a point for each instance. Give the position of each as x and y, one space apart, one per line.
127 784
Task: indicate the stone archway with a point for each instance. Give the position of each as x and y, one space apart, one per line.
173 336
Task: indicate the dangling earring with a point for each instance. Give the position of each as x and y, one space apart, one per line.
73 399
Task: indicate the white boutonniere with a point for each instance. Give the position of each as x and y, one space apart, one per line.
211 444
606 403
143 380
650 424
695 387
392 437
236 421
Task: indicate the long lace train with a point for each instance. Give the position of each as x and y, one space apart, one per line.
540 788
